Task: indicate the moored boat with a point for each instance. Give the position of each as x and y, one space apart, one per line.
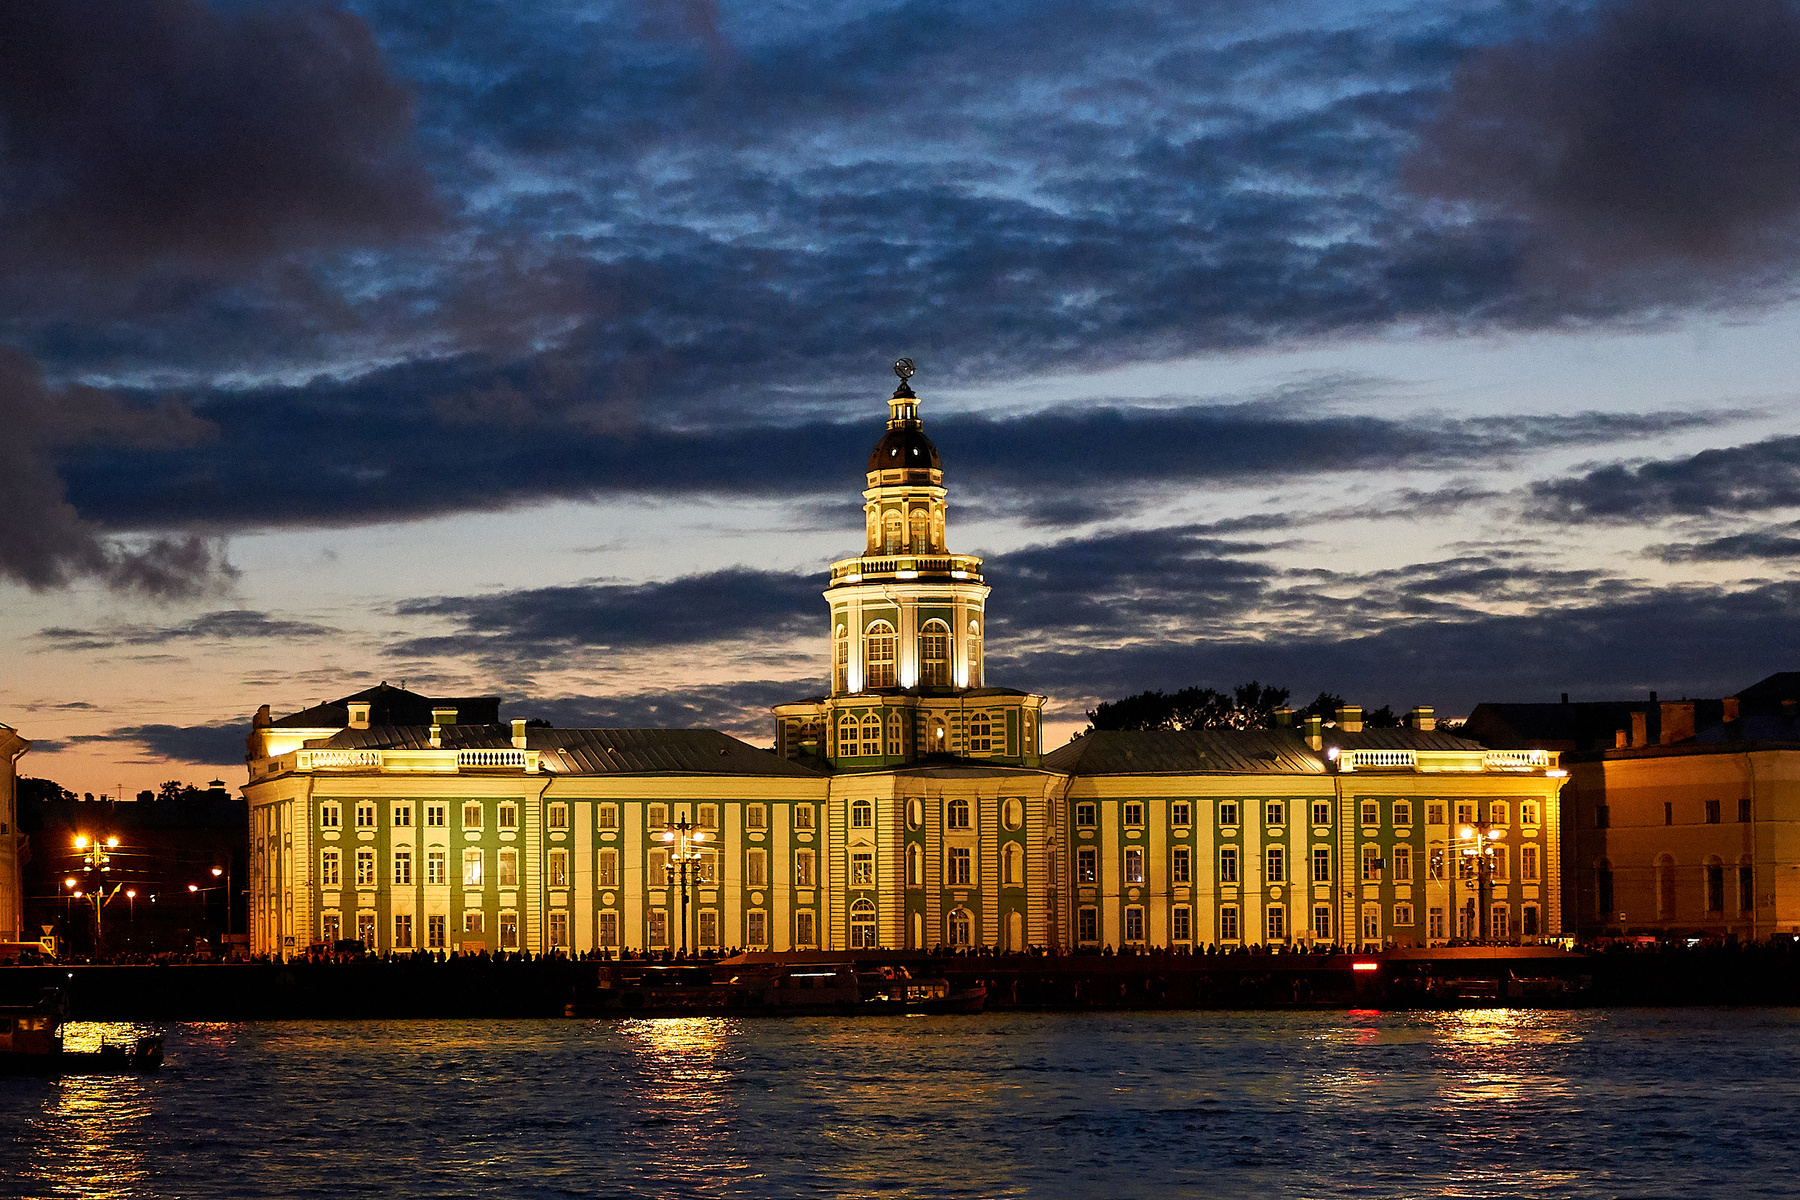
630 988
31 1043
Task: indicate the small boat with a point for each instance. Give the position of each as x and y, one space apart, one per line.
31 1044
771 989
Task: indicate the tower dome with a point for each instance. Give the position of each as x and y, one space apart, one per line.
905 447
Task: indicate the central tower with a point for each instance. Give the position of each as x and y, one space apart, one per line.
908 628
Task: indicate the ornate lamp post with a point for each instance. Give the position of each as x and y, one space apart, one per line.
684 855
98 862
1475 841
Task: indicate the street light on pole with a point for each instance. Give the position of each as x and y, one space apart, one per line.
684 855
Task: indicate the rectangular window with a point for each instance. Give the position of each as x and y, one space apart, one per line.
1746 889
509 817
557 816
609 929
1371 864
1087 865
709 928
365 816
436 933
1180 924
559 931
1403 914
365 929
1275 870
1134 813
509 868
1321 860
609 869
1497 924
1402 813
1228 923
1434 927
1228 813
659 927
1501 864
862 869
1134 924
1228 864
805 929
1371 813
1276 813
1744 811
1277 923
1178 814
1529 925
756 817
1465 814
609 816
434 816
1528 864
707 816
756 927
402 868
403 930
1437 865
959 867
893 735
1087 815
471 816
472 921
330 816
559 868
402 816
365 868
1434 814
331 929
756 868
1322 922
803 816
328 869
1715 889
471 868
1134 865
659 816
509 931
1403 864
803 868
657 873
1181 865
1321 812
707 869
1528 813
1712 812
1087 925
1497 813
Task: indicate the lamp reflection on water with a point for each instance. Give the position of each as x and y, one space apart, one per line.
690 1114
92 1139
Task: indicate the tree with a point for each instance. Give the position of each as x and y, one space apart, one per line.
1381 718
42 790
1250 705
170 790
1325 706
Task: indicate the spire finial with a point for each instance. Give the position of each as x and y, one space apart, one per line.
903 367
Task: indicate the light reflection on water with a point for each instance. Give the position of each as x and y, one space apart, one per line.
1477 1103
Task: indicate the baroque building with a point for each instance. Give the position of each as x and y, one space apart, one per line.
911 806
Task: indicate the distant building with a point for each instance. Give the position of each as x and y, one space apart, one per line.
910 807
12 841
1681 818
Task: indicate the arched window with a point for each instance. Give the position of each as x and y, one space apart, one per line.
937 528
959 928
1665 888
957 815
847 744
934 654
974 654
893 734
840 659
918 531
915 813
871 736
1012 813
937 745
892 525
879 645
1012 865
915 866
1603 888
862 925
862 815
981 734
1715 886
1746 885
873 517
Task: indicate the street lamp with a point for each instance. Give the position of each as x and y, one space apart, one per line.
1475 841
226 872
98 862
684 855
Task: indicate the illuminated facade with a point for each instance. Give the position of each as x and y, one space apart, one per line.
910 807
12 842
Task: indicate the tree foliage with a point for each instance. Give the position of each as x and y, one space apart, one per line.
1250 705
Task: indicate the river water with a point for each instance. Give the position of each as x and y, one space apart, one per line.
1618 1103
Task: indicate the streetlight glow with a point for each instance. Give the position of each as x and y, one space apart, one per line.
112 841
81 841
69 882
193 887
218 871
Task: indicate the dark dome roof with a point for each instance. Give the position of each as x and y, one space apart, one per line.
905 449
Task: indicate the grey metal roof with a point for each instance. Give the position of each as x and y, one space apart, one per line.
590 751
1186 752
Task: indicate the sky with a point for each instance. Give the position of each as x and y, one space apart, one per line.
1425 353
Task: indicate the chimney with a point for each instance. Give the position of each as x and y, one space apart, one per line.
1349 718
1730 707
1315 731
443 716
1677 723
1565 697
1423 716
1619 739
1284 717
1639 728
359 714
518 733
437 737
1653 697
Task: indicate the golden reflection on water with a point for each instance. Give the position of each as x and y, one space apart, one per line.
685 1070
90 1139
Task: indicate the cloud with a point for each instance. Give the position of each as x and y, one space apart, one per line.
138 132
1779 543
226 624
44 542
213 745
741 709
1643 134
1737 479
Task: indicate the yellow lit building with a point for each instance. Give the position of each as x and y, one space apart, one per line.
12 842
910 807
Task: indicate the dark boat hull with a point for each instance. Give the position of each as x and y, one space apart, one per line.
80 1062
